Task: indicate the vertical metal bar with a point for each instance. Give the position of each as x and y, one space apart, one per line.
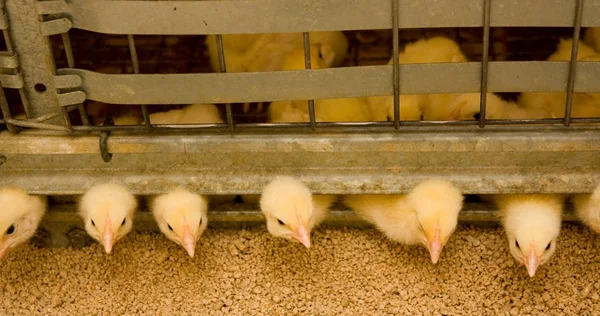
223 68
396 62
36 62
307 65
484 61
136 69
71 63
573 62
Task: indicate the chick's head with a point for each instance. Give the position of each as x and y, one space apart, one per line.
108 211
437 204
467 107
287 206
532 231
20 216
182 216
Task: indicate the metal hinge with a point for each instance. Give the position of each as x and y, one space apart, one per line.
55 26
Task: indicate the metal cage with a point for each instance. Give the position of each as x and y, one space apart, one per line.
55 150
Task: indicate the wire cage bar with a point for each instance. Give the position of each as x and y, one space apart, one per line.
504 149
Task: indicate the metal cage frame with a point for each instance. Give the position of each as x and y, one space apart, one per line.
56 157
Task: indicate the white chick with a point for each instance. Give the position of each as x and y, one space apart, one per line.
584 104
182 216
592 37
20 217
466 107
426 106
428 215
291 210
532 224
587 207
108 211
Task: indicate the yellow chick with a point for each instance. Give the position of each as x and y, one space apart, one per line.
428 215
587 207
584 104
189 114
532 224
428 107
182 216
108 211
592 37
466 107
326 110
291 210
265 52
20 217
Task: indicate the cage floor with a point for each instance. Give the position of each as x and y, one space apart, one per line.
346 272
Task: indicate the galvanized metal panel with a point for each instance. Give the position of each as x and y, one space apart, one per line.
272 16
35 58
500 160
331 83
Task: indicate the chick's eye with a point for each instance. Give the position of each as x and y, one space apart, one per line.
421 228
93 224
170 228
123 223
200 221
477 116
549 245
517 244
280 222
320 55
11 230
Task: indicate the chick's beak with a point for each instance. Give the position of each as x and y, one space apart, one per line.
3 250
435 246
532 262
108 237
188 241
303 235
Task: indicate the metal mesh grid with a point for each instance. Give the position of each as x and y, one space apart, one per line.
185 54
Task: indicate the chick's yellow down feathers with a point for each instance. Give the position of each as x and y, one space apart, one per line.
108 211
532 224
20 217
425 106
181 216
291 210
326 110
592 38
587 207
427 215
584 104
467 107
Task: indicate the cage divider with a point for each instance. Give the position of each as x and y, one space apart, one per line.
573 61
308 65
223 69
396 62
484 62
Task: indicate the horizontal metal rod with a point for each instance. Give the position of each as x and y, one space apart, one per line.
241 17
532 76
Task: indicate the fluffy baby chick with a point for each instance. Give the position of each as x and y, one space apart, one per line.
189 114
532 224
265 52
466 107
592 37
428 215
181 216
426 106
326 110
584 104
108 211
587 207
20 217
291 210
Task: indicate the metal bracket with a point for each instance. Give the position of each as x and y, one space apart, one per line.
106 156
69 82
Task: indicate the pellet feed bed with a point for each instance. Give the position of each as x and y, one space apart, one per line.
345 272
